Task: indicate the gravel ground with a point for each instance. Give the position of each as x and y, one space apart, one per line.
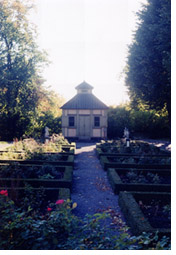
91 189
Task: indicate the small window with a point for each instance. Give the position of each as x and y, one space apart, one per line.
96 121
71 121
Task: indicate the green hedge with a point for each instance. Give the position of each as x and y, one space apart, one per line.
133 214
118 185
140 122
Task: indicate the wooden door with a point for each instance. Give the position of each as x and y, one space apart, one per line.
84 127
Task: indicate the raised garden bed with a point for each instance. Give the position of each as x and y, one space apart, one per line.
51 194
67 148
22 155
139 180
64 160
146 212
30 146
71 145
41 196
141 160
114 162
41 183
136 147
36 176
101 152
64 148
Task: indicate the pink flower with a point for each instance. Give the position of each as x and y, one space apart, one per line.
59 202
49 209
4 192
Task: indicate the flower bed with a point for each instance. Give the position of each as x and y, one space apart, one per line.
101 152
15 155
139 180
41 196
60 160
55 227
146 211
27 181
35 175
140 160
136 147
39 166
114 162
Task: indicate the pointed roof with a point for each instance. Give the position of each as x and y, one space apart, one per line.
84 100
84 85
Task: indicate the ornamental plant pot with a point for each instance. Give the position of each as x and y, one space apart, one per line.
134 206
110 162
139 180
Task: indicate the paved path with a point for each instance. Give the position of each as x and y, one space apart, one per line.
91 189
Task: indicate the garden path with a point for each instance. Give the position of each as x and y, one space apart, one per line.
91 189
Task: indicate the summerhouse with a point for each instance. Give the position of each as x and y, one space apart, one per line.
84 116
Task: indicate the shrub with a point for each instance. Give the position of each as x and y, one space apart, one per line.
118 119
146 122
58 228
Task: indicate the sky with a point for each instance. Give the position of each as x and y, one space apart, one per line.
87 40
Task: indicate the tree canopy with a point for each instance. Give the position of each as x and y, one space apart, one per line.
20 65
148 71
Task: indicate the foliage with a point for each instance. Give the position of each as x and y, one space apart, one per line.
30 149
141 121
58 228
118 119
48 113
33 149
20 65
148 71
16 171
51 102
32 145
30 229
140 160
140 177
45 120
136 147
153 242
26 106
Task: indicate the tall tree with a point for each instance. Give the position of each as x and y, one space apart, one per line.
148 72
20 65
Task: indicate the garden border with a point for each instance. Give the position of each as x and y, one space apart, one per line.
65 182
69 162
107 164
135 218
117 184
100 153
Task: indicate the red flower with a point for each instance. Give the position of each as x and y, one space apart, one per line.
59 202
49 209
4 192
